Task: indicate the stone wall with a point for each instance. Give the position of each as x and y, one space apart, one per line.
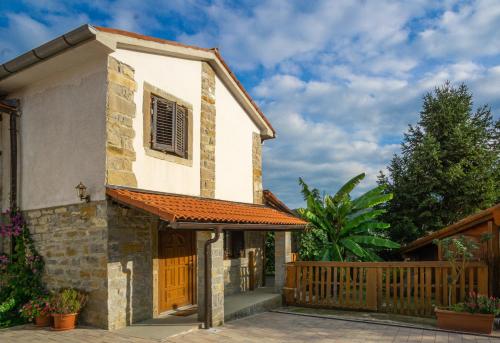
207 134
216 262
120 112
130 265
257 168
236 276
73 242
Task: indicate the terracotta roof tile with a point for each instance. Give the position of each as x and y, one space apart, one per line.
183 208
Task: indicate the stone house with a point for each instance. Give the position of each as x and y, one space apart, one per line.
165 145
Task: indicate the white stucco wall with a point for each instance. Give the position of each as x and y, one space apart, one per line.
61 137
233 148
181 78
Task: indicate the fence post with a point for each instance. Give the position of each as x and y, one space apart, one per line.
482 280
371 289
289 289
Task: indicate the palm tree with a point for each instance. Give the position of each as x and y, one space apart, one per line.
347 229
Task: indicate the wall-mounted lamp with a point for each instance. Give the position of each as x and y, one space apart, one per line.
81 192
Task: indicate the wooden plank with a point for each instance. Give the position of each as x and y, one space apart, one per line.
408 291
387 289
446 289
379 288
305 271
453 287
437 286
482 280
310 292
354 286
384 264
321 285
328 300
341 286
348 286
316 284
297 280
289 289
335 285
471 280
416 301
401 291
371 292
462 285
421 309
394 290
428 291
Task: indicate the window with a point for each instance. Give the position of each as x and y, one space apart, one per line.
234 244
169 126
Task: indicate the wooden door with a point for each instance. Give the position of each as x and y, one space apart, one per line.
176 260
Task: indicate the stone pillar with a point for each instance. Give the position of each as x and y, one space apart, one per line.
282 255
207 132
216 262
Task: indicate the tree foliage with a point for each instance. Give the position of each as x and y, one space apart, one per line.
448 167
341 228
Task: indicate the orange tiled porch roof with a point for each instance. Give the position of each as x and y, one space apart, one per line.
183 208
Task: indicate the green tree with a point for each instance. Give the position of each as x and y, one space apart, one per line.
448 167
341 228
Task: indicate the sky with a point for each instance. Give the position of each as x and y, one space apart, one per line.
339 80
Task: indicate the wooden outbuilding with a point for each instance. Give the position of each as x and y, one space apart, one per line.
473 227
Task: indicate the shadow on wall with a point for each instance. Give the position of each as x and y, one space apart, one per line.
131 266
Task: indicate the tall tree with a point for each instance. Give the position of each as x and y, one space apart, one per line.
448 167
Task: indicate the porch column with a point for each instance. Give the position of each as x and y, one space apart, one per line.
282 255
216 261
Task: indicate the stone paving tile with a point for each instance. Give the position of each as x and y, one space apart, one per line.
263 328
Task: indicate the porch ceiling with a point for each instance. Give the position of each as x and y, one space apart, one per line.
182 211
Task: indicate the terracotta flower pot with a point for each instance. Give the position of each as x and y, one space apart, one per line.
42 320
64 321
464 321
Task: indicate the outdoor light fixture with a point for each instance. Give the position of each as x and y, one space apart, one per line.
81 192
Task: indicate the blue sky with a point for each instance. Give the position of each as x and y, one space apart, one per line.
339 80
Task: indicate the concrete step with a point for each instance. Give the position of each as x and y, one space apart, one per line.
250 303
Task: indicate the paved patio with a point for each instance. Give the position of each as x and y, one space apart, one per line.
265 327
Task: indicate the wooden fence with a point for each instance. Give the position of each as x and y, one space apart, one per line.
412 288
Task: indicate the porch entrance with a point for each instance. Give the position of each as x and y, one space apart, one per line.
176 269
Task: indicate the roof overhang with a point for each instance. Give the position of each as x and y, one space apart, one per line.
63 52
197 213
492 213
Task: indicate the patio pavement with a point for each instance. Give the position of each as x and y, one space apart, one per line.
265 327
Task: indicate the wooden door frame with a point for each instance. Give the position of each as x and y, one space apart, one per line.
193 294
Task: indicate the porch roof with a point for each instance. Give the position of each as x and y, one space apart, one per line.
183 211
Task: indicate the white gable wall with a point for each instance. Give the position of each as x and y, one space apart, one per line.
61 137
181 78
233 148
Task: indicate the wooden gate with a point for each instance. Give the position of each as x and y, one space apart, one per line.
398 287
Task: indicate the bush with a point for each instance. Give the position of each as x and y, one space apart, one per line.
39 306
20 272
478 304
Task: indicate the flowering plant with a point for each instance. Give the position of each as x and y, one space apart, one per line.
477 303
68 301
39 306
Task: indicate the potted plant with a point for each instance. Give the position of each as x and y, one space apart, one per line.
37 310
478 312
66 304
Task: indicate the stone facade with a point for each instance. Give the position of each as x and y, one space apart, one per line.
207 136
236 276
282 255
120 112
257 168
131 249
216 262
73 242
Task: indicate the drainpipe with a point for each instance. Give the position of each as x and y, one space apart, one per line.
11 107
208 280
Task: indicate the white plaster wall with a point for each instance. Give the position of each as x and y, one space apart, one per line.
233 148
61 137
181 78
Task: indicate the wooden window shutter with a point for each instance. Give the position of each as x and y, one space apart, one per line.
180 131
163 129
